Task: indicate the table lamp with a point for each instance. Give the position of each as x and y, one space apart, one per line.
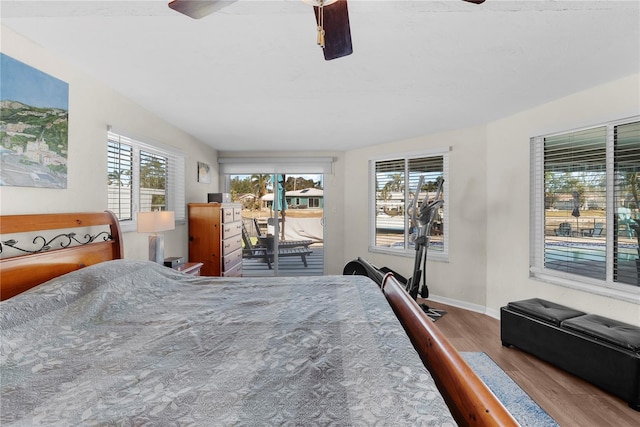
153 222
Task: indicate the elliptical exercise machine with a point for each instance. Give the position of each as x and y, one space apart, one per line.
421 222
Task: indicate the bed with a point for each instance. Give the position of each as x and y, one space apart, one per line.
89 338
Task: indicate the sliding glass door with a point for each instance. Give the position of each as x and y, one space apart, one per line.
283 222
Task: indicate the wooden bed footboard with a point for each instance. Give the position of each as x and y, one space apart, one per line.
20 273
468 398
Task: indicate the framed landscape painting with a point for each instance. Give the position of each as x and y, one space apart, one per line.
34 127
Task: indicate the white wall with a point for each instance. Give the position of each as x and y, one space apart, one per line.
93 106
489 204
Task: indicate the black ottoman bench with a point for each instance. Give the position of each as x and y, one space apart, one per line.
602 351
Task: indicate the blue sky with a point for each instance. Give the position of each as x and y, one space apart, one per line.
20 82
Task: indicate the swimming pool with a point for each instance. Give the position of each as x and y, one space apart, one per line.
581 251
589 259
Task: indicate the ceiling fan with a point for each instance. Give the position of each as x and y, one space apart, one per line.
332 19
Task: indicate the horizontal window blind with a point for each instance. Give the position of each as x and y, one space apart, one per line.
581 151
575 199
154 177
390 222
430 168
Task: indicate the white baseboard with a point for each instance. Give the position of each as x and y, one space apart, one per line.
466 305
493 313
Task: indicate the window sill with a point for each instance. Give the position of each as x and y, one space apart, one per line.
128 226
409 253
627 293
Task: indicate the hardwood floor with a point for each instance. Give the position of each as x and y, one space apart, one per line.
568 399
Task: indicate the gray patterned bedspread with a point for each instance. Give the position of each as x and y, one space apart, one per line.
135 343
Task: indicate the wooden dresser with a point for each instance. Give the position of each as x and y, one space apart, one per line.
215 238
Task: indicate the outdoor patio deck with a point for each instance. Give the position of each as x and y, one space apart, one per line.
288 266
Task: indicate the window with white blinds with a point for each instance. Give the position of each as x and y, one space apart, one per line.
585 193
394 183
143 177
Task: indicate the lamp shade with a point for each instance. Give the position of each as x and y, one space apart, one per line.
152 222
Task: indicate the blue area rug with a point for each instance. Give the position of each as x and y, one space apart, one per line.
518 403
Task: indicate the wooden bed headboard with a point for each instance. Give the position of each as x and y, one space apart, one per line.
20 273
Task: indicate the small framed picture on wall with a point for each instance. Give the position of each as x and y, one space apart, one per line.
204 173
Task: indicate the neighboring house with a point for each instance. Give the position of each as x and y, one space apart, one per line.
308 198
311 198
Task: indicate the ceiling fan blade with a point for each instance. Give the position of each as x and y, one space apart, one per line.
197 9
337 33
475 1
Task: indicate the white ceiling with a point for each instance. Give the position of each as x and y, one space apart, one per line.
251 77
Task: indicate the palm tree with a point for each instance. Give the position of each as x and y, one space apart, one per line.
396 183
631 180
116 177
259 183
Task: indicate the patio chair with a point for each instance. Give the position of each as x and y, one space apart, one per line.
281 243
596 231
625 222
564 229
265 251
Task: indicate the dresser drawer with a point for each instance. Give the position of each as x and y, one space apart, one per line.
235 271
237 214
227 214
231 229
231 260
231 244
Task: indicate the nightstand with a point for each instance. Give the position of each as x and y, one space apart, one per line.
192 268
